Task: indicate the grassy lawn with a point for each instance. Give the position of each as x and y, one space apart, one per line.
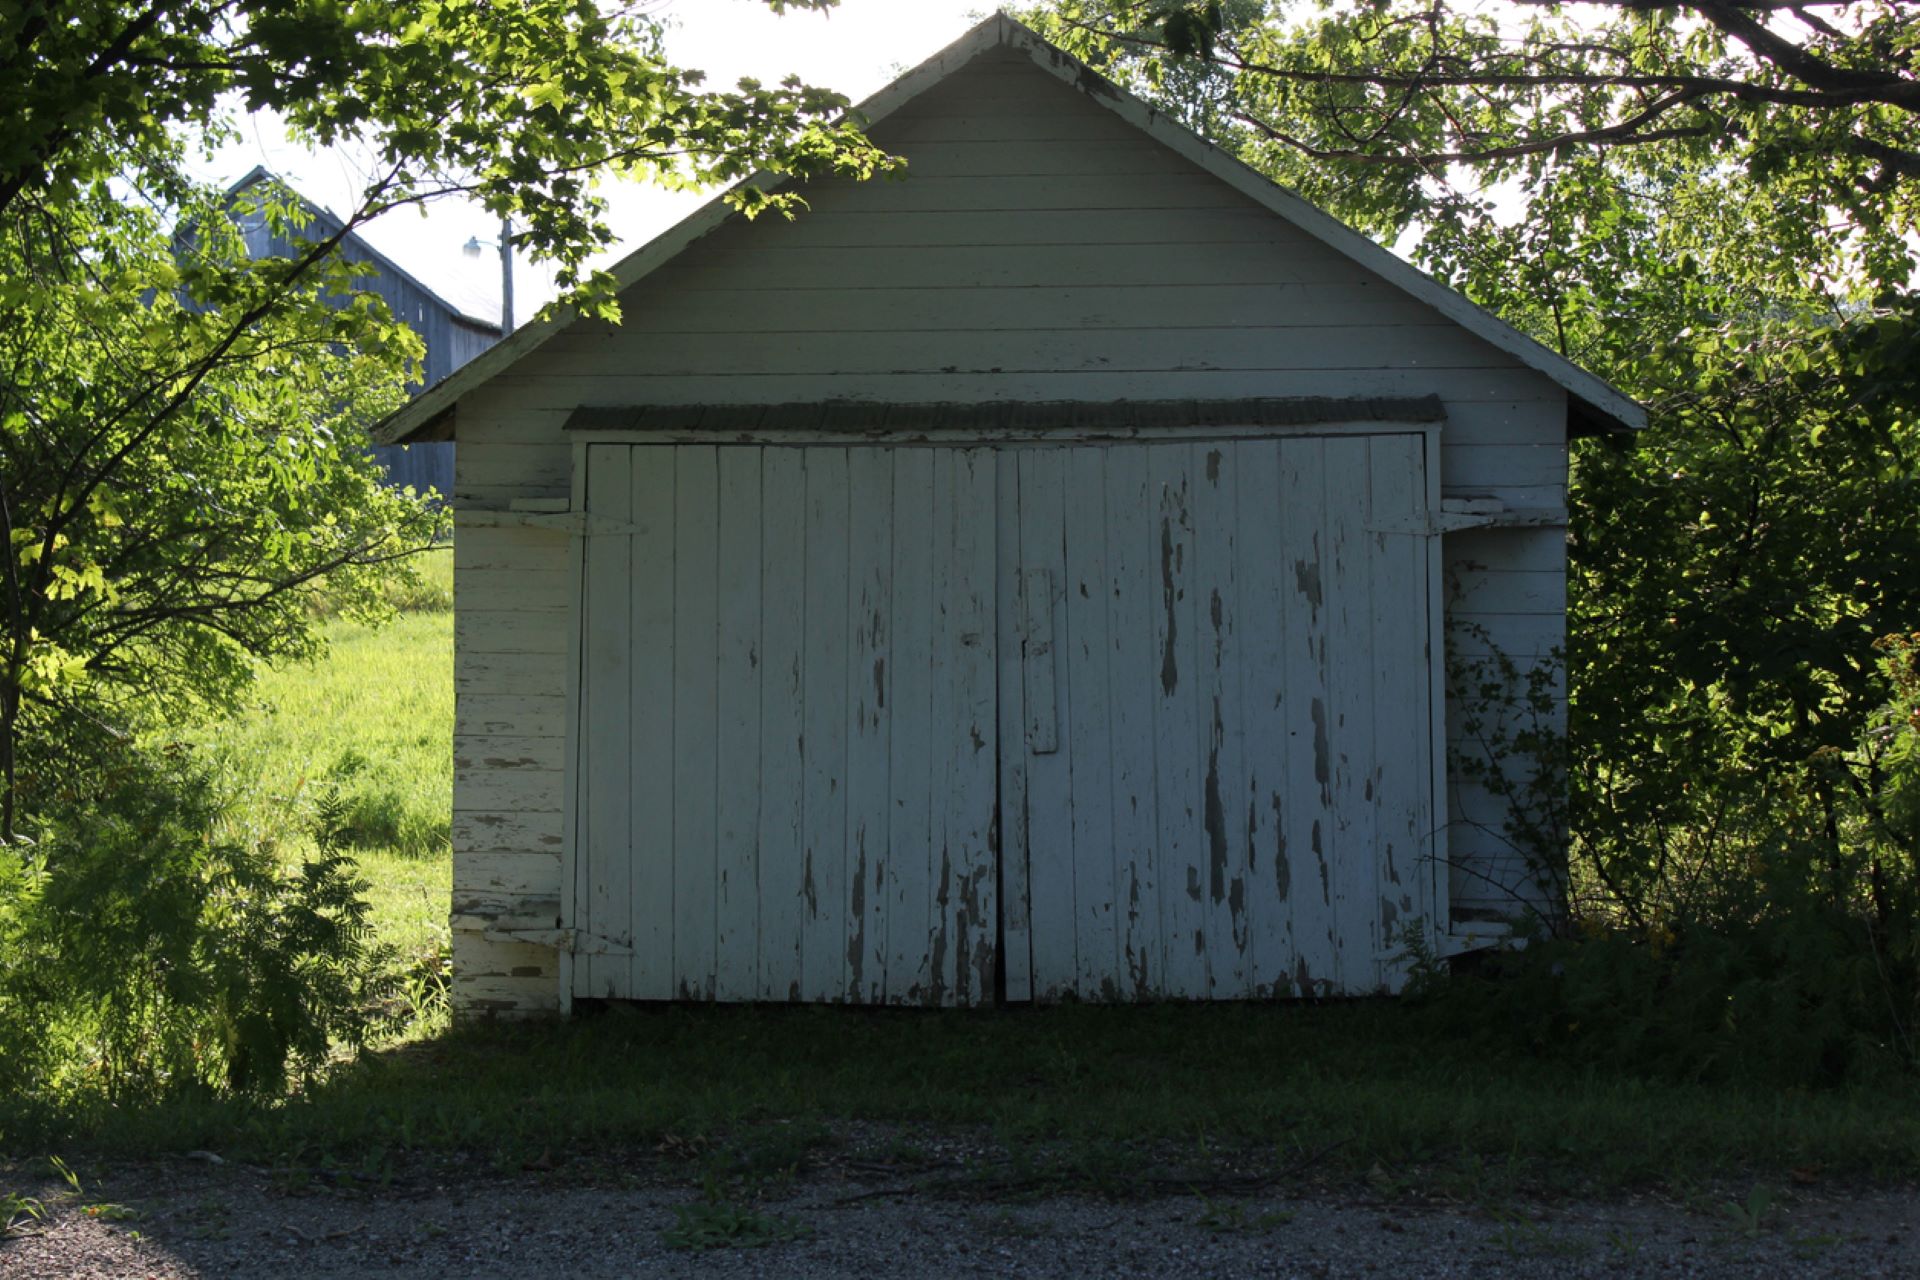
1071 1097
1077 1097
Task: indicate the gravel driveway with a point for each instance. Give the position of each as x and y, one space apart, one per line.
195 1218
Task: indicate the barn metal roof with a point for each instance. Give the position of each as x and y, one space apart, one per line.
1595 404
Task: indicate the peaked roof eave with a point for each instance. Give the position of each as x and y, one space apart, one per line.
1596 403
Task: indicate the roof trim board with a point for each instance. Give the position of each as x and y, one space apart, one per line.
1595 401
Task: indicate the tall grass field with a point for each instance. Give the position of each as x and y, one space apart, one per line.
372 721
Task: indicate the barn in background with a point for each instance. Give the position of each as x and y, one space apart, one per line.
452 336
1029 578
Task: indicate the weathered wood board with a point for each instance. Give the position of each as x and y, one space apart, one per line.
787 714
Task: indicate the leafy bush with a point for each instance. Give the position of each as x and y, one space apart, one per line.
150 946
1893 743
1781 951
1729 579
1792 992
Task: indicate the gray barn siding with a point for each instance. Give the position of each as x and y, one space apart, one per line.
1040 248
451 338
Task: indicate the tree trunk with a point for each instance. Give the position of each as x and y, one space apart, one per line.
9 719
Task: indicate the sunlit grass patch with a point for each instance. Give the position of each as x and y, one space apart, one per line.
372 721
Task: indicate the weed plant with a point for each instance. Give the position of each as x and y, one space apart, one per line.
151 946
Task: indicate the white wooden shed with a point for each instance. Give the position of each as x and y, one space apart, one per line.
1025 579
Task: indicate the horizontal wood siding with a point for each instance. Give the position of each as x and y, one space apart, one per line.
1037 248
510 633
1506 593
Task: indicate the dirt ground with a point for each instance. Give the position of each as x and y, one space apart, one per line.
193 1217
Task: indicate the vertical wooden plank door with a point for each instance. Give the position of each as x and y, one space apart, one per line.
787 716
1221 715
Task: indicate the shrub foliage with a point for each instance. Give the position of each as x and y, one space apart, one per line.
152 946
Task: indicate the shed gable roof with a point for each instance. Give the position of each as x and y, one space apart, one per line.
1594 402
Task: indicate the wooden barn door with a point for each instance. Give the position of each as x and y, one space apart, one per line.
785 762
1217 764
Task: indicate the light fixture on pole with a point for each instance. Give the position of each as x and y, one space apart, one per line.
473 247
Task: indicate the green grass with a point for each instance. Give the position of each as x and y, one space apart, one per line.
374 721
1072 1097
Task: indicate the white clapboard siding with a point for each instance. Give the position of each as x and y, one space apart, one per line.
1223 664
515 550
1504 873
1190 190
517 872
931 119
511 631
977 385
503 979
1087 305
1140 259
1495 873
529 591
782 752
507 631
483 910
1135 157
509 831
1502 591
484 672
522 790
499 751
1523 637
510 714
1319 347
850 228
976 266
1507 466
1507 550
1508 586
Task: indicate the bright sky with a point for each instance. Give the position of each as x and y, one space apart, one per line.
857 49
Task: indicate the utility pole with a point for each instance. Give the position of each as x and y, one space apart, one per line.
473 247
506 276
